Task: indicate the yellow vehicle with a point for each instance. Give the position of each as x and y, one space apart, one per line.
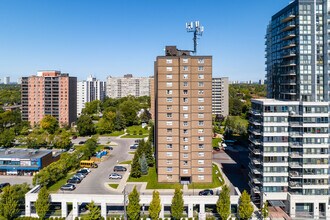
88 164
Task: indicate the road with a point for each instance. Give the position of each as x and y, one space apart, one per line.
16 179
93 183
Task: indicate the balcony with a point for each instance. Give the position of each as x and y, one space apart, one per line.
256 151
289 82
288 18
295 185
290 53
290 35
256 161
295 134
289 73
295 123
255 141
257 180
256 190
255 122
295 165
289 63
254 112
255 131
295 154
289 26
295 174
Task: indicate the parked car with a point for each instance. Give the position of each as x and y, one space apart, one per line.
3 185
137 141
216 148
87 169
81 142
78 176
71 149
119 168
83 172
68 186
74 180
132 147
108 148
115 176
74 137
206 192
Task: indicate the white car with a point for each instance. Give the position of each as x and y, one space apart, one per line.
115 176
88 170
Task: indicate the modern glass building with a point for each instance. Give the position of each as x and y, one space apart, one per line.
289 131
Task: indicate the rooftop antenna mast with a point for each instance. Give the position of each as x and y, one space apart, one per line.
197 30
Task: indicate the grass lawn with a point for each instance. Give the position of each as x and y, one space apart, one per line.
115 186
216 182
151 178
215 142
240 120
126 162
135 136
56 186
115 133
131 152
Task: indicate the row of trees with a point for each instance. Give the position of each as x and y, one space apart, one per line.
143 159
59 169
10 94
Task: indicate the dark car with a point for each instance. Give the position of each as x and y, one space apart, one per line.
83 171
137 141
206 192
3 185
216 148
108 148
69 187
74 137
119 168
81 142
74 180
133 147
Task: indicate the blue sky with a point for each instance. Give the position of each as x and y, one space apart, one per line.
117 37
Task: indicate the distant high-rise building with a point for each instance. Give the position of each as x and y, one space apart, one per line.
118 87
220 97
49 93
89 90
6 80
182 98
289 132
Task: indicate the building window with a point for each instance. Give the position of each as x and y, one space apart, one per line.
184 60
169 138
169 76
185 123
169 162
185 115
185 171
201 154
200 92
200 76
169 68
185 131
201 169
200 68
200 161
168 60
201 84
185 84
169 99
169 177
169 107
200 115
185 147
185 139
169 154
185 92
185 108
185 163
169 169
169 92
169 123
169 84
201 123
200 146
201 107
185 100
185 76
169 115
200 99
201 138
200 177
169 130
200 60
201 130
169 146
185 68
185 155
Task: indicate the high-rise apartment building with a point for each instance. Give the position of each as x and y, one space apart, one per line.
118 87
220 97
6 80
183 116
289 132
49 93
89 90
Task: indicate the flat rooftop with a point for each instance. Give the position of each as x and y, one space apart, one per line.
23 153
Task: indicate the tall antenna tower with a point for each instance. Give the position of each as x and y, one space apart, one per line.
197 30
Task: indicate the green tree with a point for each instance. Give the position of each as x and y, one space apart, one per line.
144 165
119 121
7 138
145 116
136 167
106 123
133 207
177 205
49 123
245 208
42 204
223 203
149 154
92 107
85 125
155 206
62 140
129 109
264 210
94 212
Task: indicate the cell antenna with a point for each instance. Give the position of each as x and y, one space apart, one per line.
197 29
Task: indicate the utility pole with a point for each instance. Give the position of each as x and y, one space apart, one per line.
125 212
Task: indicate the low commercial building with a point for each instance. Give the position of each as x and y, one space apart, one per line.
16 161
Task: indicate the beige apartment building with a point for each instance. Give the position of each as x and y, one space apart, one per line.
183 116
49 93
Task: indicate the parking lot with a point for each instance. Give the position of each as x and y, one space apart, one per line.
16 179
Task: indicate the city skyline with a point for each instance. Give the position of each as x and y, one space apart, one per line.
73 38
